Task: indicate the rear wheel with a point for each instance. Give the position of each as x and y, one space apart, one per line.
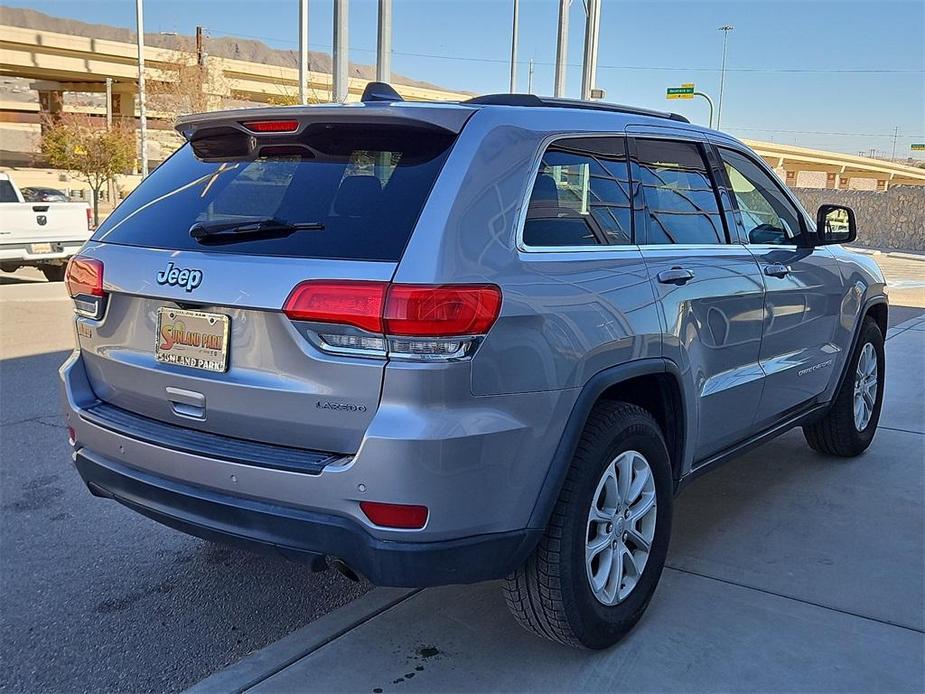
53 273
596 567
848 428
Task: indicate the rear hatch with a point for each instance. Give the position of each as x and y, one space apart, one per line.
198 264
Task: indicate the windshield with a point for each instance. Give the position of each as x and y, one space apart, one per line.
358 189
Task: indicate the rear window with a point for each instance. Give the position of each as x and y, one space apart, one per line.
360 188
7 194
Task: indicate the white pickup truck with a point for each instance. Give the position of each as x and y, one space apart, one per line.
40 234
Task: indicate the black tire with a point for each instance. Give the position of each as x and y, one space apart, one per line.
550 594
835 433
53 273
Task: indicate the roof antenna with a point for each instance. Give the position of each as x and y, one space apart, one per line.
379 91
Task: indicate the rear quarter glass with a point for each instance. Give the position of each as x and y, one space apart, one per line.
365 184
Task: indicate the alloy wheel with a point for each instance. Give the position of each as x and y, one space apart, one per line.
621 527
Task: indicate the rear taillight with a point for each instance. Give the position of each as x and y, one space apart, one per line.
347 303
403 516
89 219
84 280
410 321
271 126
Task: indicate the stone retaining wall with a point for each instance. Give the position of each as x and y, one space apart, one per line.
891 219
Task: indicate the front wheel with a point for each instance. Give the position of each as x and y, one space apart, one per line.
848 428
596 567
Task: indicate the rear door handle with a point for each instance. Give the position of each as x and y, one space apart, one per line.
676 275
776 270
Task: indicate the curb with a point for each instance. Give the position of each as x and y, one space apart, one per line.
905 255
266 662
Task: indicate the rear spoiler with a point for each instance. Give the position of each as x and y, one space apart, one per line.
289 120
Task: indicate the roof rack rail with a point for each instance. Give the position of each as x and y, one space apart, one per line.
550 102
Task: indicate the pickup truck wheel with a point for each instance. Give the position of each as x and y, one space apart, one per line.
596 567
848 428
53 273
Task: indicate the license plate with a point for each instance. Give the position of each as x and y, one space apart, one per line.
195 339
37 248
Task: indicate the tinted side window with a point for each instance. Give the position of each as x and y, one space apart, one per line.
580 195
767 214
681 200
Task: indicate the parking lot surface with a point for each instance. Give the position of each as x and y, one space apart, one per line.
94 597
788 571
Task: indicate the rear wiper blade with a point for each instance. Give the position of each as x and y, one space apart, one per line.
244 230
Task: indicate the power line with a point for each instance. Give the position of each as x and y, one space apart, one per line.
823 132
661 68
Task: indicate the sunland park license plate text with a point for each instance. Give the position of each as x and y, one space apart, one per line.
192 339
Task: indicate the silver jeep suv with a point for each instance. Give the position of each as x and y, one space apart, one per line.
437 343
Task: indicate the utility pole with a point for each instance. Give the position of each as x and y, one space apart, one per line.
592 36
384 44
142 118
108 103
200 54
110 185
895 135
303 51
562 48
726 28
341 85
514 47
530 77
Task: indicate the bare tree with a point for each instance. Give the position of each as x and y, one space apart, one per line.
194 89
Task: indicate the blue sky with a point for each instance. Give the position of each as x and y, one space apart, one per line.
799 72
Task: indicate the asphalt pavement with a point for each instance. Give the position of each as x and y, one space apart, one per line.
788 571
94 597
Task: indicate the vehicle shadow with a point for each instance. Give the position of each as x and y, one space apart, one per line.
94 592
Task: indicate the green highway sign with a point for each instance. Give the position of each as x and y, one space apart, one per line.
918 148
685 91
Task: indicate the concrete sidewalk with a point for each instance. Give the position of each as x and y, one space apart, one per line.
788 571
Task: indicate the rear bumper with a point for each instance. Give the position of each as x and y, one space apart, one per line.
305 535
21 253
479 484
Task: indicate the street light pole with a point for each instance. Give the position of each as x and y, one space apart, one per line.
341 85
726 28
514 47
384 44
562 48
303 51
142 118
592 36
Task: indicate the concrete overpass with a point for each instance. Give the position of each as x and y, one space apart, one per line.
60 62
82 64
839 168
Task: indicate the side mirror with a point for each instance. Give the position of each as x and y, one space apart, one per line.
835 224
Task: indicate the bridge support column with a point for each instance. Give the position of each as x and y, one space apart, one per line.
51 106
